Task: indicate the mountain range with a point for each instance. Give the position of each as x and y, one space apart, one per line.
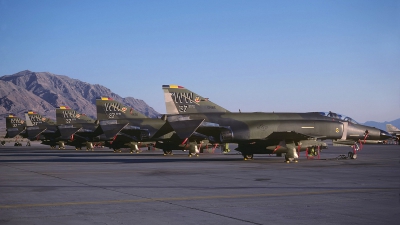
42 92
382 125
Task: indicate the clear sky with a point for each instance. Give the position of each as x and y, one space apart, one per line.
282 56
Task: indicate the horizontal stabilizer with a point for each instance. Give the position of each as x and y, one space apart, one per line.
67 132
185 128
12 132
34 132
111 130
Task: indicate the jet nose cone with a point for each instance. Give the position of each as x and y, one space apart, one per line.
385 135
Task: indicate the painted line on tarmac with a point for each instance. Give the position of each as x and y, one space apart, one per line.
342 191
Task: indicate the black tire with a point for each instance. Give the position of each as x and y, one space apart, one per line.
167 152
247 156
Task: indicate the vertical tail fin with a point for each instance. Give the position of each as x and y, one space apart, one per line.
35 119
109 109
391 128
14 126
179 100
66 115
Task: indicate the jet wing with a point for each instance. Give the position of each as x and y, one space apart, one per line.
67 132
12 132
288 135
135 133
33 132
111 130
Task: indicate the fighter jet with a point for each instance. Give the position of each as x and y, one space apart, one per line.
259 132
137 128
255 132
42 128
77 129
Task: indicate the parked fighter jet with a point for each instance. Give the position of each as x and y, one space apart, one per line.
255 133
258 133
77 129
137 128
42 128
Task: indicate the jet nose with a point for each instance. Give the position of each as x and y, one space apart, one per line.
385 135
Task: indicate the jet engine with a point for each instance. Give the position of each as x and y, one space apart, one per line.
226 135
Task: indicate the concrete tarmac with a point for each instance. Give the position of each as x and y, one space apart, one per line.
43 186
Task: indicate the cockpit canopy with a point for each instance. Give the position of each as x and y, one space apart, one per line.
338 116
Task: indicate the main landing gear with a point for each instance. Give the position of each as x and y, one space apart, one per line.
168 152
134 148
117 150
288 160
193 150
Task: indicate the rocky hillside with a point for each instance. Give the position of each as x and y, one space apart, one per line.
43 91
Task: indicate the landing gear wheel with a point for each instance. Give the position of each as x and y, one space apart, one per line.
167 152
193 154
247 156
352 155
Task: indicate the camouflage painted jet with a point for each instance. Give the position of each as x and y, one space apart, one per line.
137 128
255 133
77 129
258 132
42 128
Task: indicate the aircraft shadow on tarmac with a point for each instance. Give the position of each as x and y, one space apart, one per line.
79 157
